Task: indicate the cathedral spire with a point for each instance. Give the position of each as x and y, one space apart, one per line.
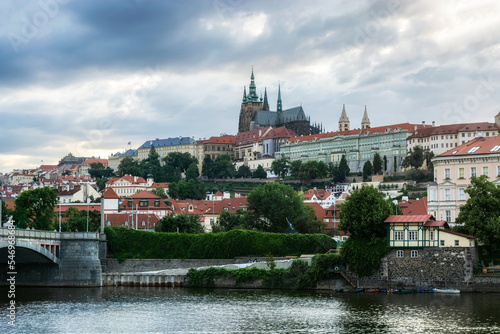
344 123
279 106
365 122
252 90
266 104
244 94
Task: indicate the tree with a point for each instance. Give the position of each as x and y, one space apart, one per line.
98 171
363 214
222 167
6 213
295 168
428 158
129 166
481 213
377 163
35 208
308 171
307 222
76 220
159 191
385 163
187 190
192 172
342 170
274 203
281 167
414 158
367 170
259 173
229 221
183 223
101 183
395 164
206 169
244 172
179 160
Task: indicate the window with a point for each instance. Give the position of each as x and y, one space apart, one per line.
473 171
442 243
130 202
400 253
485 171
344 237
157 203
461 194
126 224
413 235
448 215
457 243
461 173
414 253
108 223
447 194
143 203
474 149
143 223
447 173
398 235
431 235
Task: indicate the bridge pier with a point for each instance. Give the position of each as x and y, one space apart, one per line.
44 258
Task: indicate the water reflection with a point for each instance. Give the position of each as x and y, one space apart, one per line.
165 310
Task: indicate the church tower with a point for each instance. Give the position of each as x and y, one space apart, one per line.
365 122
344 123
497 120
249 106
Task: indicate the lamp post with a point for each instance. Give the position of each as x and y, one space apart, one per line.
88 208
59 216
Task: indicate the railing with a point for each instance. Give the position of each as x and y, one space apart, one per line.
38 234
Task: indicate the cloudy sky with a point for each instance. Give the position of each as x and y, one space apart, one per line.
88 77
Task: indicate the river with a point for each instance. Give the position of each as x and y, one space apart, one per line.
180 310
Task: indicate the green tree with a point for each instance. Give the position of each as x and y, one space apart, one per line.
428 158
98 171
35 208
367 170
377 163
273 203
183 223
363 214
307 222
192 172
6 213
295 168
342 171
259 173
222 167
76 220
187 190
308 171
414 158
230 221
281 167
385 163
129 166
481 213
395 164
207 167
101 183
159 191
179 160
244 172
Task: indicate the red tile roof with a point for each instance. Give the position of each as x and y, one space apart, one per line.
363 132
320 212
437 223
128 178
251 136
414 207
460 234
453 129
92 160
281 132
143 195
109 193
408 218
119 219
481 145
226 139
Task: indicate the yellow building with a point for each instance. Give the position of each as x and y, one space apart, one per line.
165 146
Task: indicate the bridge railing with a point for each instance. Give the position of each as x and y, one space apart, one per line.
49 235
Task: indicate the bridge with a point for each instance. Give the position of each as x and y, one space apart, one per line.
44 258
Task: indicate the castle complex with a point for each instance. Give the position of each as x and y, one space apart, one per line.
255 114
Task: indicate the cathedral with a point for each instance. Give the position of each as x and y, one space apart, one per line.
255 114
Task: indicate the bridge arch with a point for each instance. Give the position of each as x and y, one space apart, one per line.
28 252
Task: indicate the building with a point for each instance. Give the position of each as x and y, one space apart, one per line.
128 185
114 160
358 146
217 146
453 170
169 145
440 139
69 161
70 193
85 165
324 198
255 113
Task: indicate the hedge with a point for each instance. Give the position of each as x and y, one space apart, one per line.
126 243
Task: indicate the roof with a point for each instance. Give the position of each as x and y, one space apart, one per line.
144 194
251 136
226 139
109 193
408 218
92 160
159 184
476 146
127 153
459 234
281 132
437 223
414 207
318 210
453 129
128 178
360 132
119 219
168 142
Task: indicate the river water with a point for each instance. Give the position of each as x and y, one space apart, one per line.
178 310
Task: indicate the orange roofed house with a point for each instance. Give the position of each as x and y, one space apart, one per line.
453 171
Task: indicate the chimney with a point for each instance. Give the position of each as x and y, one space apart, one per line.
423 123
415 127
433 123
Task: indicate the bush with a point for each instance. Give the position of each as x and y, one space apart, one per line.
364 257
298 276
126 243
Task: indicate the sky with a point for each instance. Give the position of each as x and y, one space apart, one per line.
88 77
